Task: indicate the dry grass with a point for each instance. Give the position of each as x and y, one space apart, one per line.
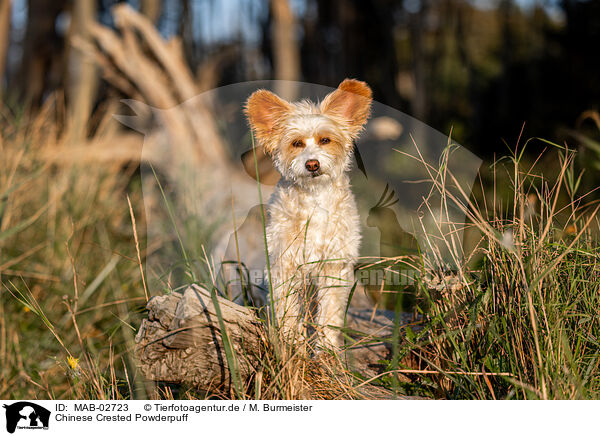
69 289
521 323
73 287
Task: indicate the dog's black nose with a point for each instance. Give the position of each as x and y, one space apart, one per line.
312 165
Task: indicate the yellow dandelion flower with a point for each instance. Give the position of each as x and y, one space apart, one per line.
73 363
26 309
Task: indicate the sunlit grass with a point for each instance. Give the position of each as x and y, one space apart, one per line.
523 321
519 318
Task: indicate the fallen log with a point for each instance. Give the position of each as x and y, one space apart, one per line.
180 342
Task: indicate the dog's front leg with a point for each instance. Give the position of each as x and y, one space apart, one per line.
335 282
287 288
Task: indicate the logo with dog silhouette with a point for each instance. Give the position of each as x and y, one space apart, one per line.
26 415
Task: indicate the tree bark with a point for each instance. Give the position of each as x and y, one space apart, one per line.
152 9
84 78
417 30
42 66
5 8
286 54
181 342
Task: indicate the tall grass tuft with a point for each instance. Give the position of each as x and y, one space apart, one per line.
522 321
69 298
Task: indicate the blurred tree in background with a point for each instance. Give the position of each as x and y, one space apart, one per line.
480 67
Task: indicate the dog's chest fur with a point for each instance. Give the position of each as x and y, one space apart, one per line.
313 225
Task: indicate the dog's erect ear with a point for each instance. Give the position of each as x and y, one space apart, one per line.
264 110
350 104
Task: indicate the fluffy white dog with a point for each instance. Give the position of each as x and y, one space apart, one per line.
313 231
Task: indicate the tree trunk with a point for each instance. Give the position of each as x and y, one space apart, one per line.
5 7
42 67
181 342
152 9
83 80
286 54
417 31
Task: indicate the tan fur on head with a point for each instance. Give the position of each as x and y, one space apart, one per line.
348 106
265 111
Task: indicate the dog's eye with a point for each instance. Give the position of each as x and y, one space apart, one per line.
298 143
324 141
